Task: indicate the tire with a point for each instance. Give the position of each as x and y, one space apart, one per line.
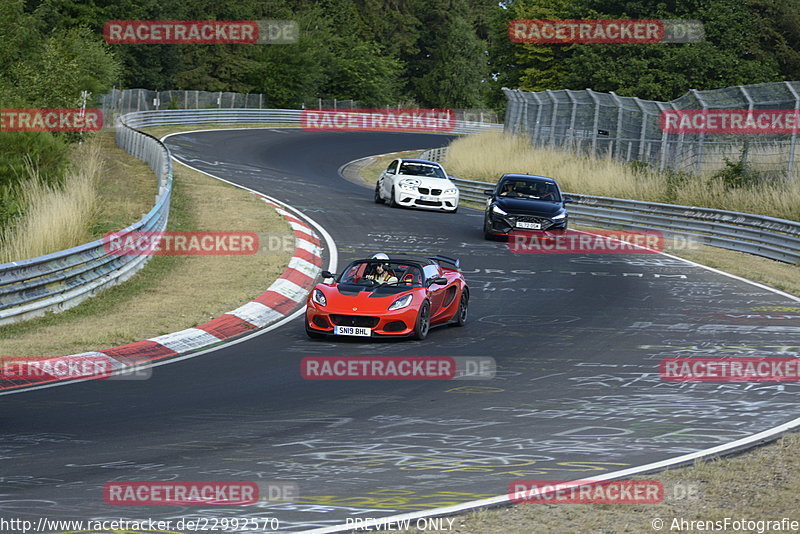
314 335
378 198
463 304
486 234
455 210
423 324
392 203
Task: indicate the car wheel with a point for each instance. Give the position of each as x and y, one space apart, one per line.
378 198
486 233
423 321
455 210
314 335
392 202
461 314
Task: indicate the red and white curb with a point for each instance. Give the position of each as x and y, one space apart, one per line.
280 300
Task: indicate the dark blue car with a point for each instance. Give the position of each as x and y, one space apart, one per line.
524 202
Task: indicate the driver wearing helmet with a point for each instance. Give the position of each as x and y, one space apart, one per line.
382 274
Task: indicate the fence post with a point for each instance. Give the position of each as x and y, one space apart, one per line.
596 122
643 128
746 144
663 160
702 137
620 109
574 103
537 129
552 141
790 165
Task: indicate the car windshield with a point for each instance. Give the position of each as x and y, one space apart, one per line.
422 169
532 189
380 272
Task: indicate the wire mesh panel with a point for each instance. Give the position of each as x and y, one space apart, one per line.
631 129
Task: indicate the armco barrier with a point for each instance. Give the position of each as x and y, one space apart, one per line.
145 119
60 280
773 238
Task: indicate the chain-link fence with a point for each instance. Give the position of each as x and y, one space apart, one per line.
628 128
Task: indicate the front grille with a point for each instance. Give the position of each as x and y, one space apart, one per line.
355 320
428 191
321 322
531 219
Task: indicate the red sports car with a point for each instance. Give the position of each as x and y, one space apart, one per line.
399 297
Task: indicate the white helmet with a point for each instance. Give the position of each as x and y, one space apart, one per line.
380 256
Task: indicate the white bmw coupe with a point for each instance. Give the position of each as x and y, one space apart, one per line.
416 183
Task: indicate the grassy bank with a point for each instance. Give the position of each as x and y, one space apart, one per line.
172 292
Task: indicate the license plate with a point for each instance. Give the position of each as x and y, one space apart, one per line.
529 225
352 331
424 197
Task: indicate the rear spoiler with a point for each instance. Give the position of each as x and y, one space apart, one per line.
444 259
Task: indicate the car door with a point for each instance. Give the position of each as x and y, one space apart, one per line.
436 292
387 178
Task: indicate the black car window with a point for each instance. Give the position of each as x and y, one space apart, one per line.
422 169
531 189
392 167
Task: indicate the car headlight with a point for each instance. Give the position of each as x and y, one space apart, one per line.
560 216
409 184
319 297
402 302
451 191
498 211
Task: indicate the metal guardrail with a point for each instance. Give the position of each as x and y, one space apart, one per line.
773 238
60 280
145 119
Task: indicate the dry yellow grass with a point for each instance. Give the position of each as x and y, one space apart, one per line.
487 156
780 199
55 217
172 292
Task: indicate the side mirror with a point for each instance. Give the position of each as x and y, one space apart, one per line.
489 192
568 200
327 274
437 281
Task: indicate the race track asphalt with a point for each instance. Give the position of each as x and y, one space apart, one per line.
577 340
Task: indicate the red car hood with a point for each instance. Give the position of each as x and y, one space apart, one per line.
364 302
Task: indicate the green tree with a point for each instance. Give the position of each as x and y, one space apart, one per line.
451 68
